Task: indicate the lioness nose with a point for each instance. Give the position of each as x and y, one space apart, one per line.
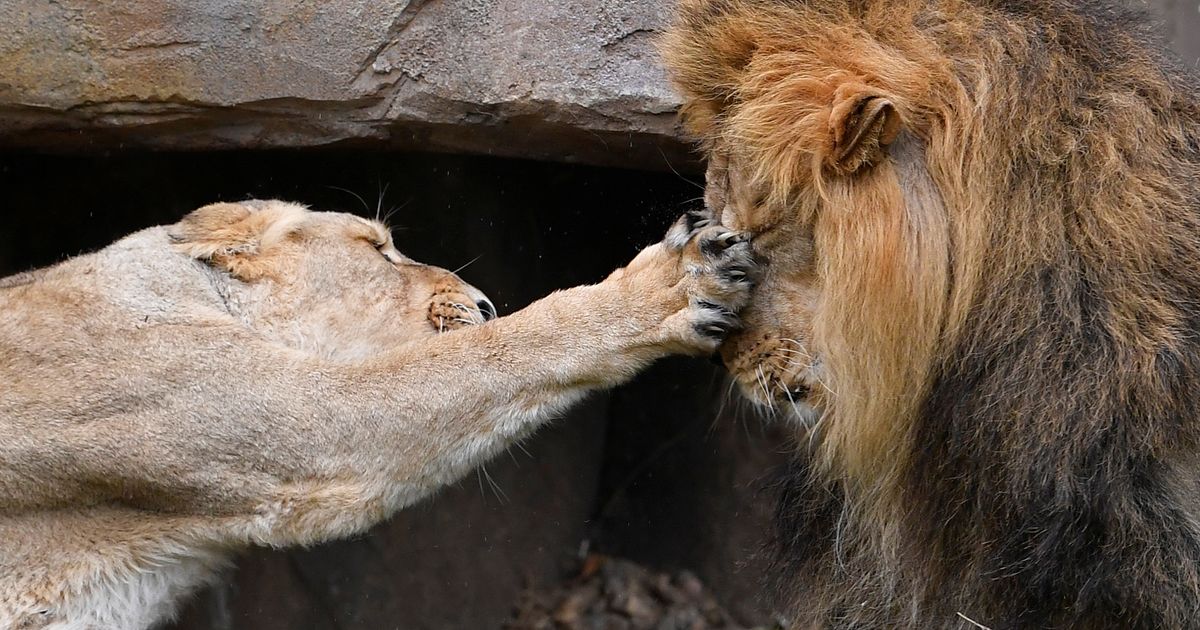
487 309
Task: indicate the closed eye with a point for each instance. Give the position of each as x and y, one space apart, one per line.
382 248
389 256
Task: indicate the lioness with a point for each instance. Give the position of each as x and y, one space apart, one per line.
262 374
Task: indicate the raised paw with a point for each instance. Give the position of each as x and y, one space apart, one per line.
718 269
690 287
720 264
686 227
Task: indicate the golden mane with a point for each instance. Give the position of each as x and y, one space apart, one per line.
1009 302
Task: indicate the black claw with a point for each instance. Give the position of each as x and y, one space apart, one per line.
712 331
725 312
799 392
712 247
716 246
697 219
729 239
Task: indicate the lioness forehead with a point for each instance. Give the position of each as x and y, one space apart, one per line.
374 231
353 226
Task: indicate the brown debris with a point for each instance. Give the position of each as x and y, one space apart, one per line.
615 594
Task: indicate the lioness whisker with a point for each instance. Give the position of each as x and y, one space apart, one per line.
468 263
496 489
379 200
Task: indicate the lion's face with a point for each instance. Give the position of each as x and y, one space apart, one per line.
773 358
825 149
327 283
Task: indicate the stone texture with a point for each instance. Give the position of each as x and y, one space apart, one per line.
574 80
1181 25
567 79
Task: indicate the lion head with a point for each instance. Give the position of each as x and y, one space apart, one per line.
328 283
822 143
979 232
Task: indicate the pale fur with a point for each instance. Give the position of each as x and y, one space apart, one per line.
259 374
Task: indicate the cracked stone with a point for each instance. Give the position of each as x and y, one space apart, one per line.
572 80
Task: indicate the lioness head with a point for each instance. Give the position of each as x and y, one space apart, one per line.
328 283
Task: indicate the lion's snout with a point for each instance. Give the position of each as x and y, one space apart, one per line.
770 368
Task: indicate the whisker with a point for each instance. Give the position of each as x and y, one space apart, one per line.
379 200
496 489
725 400
468 264
799 347
366 208
794 353
795 410
387 218
672 167
762 381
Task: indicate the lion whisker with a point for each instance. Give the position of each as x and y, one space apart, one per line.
800 347
795 353
724 401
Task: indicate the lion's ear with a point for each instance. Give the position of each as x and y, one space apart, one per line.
234 236
863 124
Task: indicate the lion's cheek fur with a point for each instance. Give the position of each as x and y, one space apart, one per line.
884 272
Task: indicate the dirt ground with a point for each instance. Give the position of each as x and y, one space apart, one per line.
615 594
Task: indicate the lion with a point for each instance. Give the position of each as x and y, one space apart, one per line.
980 228
262 374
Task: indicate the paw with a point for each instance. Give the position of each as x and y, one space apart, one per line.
450 310
718 276
686 228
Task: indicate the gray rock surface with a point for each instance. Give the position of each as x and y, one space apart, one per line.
575 80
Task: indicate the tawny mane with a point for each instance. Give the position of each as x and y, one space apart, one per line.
1009 300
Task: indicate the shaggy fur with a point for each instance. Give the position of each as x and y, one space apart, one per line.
982 222
261 374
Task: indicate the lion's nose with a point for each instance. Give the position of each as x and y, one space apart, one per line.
487 309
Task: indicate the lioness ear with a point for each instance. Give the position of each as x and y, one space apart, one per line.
863 125
234 236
